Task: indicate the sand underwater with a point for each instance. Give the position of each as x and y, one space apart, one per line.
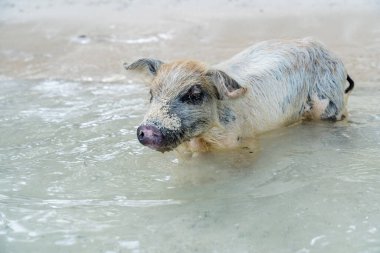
73 177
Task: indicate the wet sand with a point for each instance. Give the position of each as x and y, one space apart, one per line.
73 177
90 40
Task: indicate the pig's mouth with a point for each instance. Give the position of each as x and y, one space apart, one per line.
162 140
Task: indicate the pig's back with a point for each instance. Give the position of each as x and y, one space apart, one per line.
278 59
281 74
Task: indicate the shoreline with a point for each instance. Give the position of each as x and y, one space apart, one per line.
90 42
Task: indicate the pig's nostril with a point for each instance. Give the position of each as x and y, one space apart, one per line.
141 134
149 135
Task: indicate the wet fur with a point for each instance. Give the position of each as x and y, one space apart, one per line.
269 85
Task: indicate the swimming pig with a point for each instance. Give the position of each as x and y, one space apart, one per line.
194 107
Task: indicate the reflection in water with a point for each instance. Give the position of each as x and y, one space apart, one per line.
74 178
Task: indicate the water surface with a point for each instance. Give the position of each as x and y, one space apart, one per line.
73 177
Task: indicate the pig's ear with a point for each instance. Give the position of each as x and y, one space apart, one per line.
226 86
145 66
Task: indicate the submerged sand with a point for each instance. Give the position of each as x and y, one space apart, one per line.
74 178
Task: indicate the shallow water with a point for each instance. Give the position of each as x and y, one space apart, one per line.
73 177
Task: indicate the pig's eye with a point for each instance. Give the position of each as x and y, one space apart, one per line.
193 96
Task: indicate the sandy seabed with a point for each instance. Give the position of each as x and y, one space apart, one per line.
73 177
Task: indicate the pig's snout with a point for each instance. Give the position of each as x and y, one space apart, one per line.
151 136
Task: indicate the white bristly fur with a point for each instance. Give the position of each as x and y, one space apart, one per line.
282 82
260 67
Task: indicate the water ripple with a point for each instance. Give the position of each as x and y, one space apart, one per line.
120 201
59 203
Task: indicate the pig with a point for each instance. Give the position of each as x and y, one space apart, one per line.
195 107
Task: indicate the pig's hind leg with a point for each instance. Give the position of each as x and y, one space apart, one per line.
331 112
324 108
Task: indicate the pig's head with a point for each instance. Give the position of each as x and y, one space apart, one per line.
184 101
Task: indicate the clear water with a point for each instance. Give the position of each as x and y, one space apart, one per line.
73 177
